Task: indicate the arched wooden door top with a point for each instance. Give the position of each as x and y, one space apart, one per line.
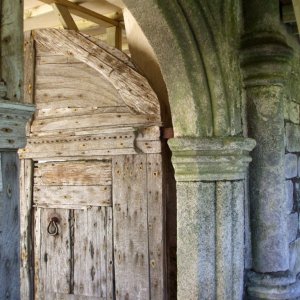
114 65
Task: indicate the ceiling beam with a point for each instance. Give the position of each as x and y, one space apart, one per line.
65 17
83 12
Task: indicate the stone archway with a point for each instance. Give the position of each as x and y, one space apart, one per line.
193 44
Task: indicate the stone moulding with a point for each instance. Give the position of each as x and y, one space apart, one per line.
13 119
265 286
264 59
211 159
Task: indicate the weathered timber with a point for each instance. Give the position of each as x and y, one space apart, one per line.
72 196
54 258
98 120
26 243
156 221
73 173
133 87
74 81
12 49
131 250
29 70
90 252
9 228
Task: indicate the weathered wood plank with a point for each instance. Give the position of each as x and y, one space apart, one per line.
90 247
110 293
70 145
76 110
72 196
73 173
26 243
98 120
87 154
57 296
38 285
12 48
48 58
55 253
123 57
9 228
156 221
130 227
133 87
58 82
29 70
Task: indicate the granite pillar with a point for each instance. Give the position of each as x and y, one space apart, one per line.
265 62
210 175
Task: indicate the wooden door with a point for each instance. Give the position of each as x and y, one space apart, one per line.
92 217
73 230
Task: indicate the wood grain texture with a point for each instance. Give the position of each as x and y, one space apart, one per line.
96 120
12 48
133 88
72 196
131 227
90 252
73 173
156 229
29 70
9 228
66 146
55 264
74 81
26 243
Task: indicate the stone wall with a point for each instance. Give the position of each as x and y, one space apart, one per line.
292 157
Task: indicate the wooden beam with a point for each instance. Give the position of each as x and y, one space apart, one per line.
296 4
114 37
65 17
83 12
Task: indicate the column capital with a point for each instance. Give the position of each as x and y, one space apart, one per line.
265 58
210 159
13 119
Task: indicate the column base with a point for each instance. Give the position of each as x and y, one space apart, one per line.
273 286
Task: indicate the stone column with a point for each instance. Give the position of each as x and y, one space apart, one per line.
210 175
265 61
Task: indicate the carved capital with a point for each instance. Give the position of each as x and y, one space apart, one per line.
210 159
13 119
265 59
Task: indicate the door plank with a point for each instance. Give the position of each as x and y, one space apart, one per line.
156 217
55 253
73 173
130 227
90 246
72 196
26 176
110 259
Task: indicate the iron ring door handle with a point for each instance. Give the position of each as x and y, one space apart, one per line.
52 228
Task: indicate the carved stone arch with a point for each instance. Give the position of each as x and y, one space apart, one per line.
192 41
115 66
